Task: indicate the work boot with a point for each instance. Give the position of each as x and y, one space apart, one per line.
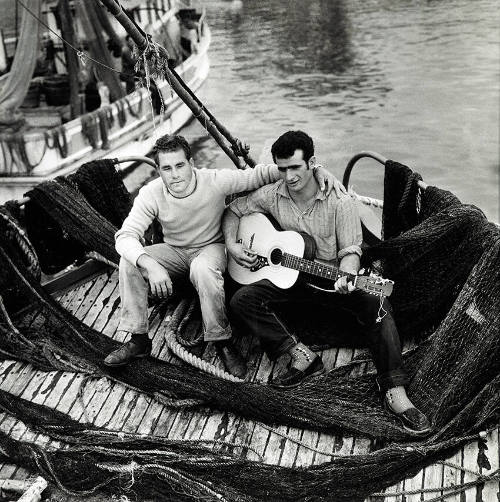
231 358
303 365
396 401
137 347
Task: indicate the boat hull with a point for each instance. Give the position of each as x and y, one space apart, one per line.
61 150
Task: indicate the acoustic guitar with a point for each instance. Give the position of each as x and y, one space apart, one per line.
283 255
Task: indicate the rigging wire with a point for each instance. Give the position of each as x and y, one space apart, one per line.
81 55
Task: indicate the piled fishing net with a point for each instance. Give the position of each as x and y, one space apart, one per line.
180 470
67 217
444 259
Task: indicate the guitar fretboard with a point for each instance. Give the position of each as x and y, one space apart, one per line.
313 267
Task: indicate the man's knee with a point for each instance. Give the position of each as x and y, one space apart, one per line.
127 269
201 272
245 300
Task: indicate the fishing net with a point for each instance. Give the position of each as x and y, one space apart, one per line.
67 217
444 258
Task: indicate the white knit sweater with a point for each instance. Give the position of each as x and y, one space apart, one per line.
193 221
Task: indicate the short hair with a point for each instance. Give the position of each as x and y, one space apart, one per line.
290 141
171 143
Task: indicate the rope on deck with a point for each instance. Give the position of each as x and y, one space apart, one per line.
185 355
453 489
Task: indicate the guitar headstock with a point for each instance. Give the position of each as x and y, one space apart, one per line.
374 284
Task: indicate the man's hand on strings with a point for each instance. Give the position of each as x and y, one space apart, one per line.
242 255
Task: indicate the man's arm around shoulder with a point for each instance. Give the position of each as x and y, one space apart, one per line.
231 181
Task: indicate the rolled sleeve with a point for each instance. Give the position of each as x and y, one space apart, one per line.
348 225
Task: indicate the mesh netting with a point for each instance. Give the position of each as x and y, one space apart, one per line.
67 217
91 458
444 260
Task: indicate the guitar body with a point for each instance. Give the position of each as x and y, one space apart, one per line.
257 233
283 255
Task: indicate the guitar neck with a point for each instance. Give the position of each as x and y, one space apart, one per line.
314 268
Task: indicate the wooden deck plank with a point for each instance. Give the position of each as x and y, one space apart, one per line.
151 419
120 406
81 305
117 407
85 405
240 429
218 425
469 461
305 456
154 416
326 441
491 490
414 483
89 308
21 474
260 435
452 476
67 297
271 445
7 471
72 302
145 413
433 478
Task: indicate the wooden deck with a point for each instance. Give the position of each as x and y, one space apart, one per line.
112 405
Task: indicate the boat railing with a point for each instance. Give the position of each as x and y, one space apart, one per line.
369 201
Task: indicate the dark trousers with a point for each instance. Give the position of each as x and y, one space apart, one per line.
252 307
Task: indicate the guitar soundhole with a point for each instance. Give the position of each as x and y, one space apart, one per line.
276 256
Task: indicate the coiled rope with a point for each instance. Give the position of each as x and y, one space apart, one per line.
185 355
178 335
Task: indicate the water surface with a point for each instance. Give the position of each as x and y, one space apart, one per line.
417 81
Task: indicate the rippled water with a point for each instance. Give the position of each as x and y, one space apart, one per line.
417 81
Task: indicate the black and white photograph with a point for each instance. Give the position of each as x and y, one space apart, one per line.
249 250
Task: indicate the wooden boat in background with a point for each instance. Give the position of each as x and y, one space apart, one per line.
41 161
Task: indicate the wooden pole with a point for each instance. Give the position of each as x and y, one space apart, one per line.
194 105
68 33
98 49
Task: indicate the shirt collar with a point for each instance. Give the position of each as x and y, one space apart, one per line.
283 191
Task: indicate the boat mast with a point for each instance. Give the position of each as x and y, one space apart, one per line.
68 33
180 88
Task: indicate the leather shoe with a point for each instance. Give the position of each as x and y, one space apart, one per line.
413 419
231 359
293 377
133 349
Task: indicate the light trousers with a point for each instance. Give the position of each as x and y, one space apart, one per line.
202 266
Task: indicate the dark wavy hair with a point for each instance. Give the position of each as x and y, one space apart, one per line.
171 143
290 141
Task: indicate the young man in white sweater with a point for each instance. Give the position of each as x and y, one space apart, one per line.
188 203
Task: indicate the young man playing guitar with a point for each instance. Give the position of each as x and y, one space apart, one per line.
188 203
297 204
